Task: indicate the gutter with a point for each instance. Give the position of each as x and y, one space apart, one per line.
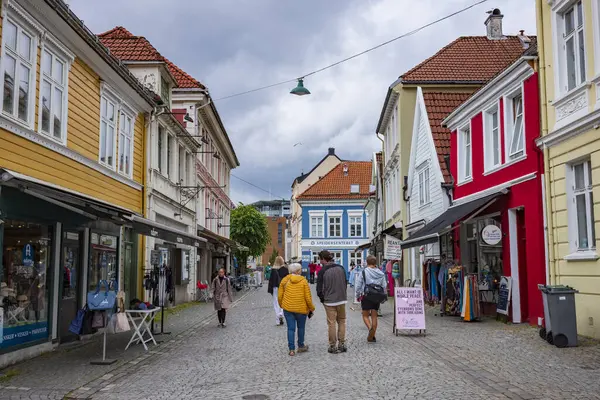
385 103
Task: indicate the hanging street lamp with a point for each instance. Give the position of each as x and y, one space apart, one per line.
300 90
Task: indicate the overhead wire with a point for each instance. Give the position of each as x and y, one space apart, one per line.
258 187
448 16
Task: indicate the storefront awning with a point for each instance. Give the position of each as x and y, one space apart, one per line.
431 232
216 238
363 247
150 228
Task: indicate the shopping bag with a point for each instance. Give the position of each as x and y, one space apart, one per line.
121 324
98 319
77 324
111 327
101 300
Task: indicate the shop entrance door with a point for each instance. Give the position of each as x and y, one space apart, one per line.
70 283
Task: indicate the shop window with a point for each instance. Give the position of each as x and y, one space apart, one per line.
103 260
490 255
24 292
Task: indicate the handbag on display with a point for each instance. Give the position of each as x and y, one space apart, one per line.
76 326
102 300
98 319
121 324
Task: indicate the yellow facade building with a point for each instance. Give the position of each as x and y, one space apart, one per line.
569 47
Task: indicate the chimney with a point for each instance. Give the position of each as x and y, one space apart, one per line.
331 151
525 40
493 24
345 168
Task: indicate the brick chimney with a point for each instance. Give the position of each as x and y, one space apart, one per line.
493 24
331 151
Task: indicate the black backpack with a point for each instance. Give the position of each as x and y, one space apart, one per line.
374 292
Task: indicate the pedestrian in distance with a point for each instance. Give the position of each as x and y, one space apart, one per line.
312 267
371 292
295 299
222 295
331 289
278 271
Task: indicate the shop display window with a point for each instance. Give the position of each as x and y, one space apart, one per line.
24 293
103 260
490 256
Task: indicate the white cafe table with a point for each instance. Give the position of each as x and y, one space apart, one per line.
141 320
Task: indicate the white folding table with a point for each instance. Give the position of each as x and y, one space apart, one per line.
141 320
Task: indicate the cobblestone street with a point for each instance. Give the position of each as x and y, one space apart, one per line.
248 360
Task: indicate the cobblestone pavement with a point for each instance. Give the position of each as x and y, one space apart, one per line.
248 360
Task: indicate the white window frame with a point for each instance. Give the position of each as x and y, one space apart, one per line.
560 9
356 257
181 166
126 112
489 132
316 219
109 96
33 31
509 125
335 214
578 252
161 159
424 177
356 219
463 177
59 52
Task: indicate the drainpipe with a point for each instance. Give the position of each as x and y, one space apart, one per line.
548 227
448 186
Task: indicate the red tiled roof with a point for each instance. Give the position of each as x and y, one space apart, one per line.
439 106
128 47
335 185
474 59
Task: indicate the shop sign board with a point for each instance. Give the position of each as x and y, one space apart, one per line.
15 335
491 235
410 308
154 257
504 293
333 243
391 248
28 255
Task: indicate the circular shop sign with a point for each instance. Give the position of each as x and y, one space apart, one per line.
491 235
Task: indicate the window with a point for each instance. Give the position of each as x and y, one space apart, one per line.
583 206
53 98
515 127
492 145
354 188
356 258
19 53
108 118
190 169
161 134
574 45
335 226
125 144
316 226
424 195
337 256
169 155
280 234
164 92
464 154
356 223
182 167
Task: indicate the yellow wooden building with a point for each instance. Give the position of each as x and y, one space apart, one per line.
569 48
73 124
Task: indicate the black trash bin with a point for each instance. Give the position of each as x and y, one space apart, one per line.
560 315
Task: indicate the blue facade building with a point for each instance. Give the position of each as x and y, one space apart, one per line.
334 216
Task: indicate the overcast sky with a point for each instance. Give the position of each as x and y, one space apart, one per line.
238 45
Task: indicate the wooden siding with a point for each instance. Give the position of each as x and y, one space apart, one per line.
138 148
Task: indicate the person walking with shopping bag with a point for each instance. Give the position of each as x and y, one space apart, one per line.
371 291
278 272
222 295
331 289
295 299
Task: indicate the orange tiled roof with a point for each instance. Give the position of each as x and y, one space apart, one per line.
474 59
128 47
335 185
439 105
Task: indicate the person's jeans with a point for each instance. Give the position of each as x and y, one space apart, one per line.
336 315
293 319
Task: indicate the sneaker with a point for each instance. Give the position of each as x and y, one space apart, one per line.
302 349
342 348
223 325
280 320
332 350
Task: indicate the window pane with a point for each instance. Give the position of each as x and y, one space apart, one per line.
47 63
579 14
103 141
128 156
121 152
110 143
46 105
25 46
10 35
57 71
468 161
569 21
23 92
517 138
579 177
103 107
58 109
110 114
160 148
581 56
582 222
592 221
571 77
589 178
9 84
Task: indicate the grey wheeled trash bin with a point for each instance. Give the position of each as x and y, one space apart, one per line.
559 314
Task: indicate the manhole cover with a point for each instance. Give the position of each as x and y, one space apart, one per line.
256 397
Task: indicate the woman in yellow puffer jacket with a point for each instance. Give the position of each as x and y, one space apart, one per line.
295 299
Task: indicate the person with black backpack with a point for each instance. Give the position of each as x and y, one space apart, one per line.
371 291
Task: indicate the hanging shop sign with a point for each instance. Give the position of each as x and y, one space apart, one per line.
333 243
28 255
391 248
410 308
504 293
491 235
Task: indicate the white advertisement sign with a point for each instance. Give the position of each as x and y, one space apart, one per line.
333 243
491 235
391 248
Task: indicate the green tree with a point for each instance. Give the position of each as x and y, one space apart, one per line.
249 228
274 255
